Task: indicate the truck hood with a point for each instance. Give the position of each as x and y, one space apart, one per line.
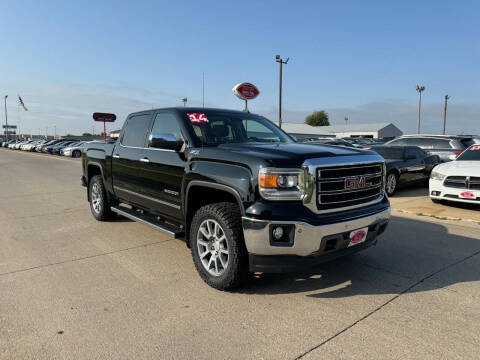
278 154
459 168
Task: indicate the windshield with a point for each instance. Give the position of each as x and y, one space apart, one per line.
472 153
215 128
389 152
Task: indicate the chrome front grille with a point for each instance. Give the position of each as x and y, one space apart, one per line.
345 186
462 182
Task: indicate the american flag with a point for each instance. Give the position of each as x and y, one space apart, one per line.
20 102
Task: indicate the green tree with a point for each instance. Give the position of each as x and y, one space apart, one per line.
317 118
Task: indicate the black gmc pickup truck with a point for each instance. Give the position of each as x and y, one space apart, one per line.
242 193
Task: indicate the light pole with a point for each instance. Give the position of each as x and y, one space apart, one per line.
184 101
419 89
445 114
281 62
346 120
6 118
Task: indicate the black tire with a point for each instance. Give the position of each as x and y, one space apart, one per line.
391 189
436 201
228 216
76 154
96 191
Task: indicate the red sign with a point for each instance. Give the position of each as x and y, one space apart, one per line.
246 91
198 118
104 117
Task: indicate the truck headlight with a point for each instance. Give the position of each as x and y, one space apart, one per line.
281 184
435 175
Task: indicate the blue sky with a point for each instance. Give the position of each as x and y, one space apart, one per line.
360 59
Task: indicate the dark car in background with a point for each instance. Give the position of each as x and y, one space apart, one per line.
330 141
405 165
359 142
447 147
56 149
49 149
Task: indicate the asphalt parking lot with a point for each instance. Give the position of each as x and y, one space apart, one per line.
75 288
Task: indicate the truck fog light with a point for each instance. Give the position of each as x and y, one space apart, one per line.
278 233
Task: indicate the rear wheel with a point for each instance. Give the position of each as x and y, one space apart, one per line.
218 247
99 204
392 183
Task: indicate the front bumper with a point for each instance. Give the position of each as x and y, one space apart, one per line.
438 191
309 242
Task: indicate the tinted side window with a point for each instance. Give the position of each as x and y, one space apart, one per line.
135 132
398 142
441 144
166 123
420 153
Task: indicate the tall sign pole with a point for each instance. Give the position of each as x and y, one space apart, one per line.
281 62
420 89
445 114
6 117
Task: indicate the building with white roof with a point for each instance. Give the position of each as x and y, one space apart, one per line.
376 130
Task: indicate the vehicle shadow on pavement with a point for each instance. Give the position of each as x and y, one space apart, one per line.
411 191
408 252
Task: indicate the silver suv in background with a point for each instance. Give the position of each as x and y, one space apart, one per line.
447 147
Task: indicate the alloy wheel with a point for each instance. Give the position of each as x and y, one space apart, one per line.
391 183
212 247
96 198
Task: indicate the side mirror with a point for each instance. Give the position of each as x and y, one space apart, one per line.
167 141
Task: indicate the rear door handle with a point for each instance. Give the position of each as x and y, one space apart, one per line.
145 160
116 156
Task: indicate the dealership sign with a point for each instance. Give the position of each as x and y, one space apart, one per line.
104 117
9 126
246 91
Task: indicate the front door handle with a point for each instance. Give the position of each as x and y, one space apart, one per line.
116 156
145 160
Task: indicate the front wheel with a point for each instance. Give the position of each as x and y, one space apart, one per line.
218 247
392 183
76 154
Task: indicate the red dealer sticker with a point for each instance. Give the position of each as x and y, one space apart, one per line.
475 147
358 236
198 118
467 195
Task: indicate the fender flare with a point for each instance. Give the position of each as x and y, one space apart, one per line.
217 186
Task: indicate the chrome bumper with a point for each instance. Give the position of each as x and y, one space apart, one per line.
307 238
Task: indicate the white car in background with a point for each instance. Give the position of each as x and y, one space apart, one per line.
73 150
457 180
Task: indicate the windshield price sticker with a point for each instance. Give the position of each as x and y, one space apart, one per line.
197 118
476 147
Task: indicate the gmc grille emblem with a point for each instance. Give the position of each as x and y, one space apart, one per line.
357 182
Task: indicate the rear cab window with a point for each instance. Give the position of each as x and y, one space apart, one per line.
136 130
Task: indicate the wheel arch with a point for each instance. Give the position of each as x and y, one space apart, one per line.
209 193
93 168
